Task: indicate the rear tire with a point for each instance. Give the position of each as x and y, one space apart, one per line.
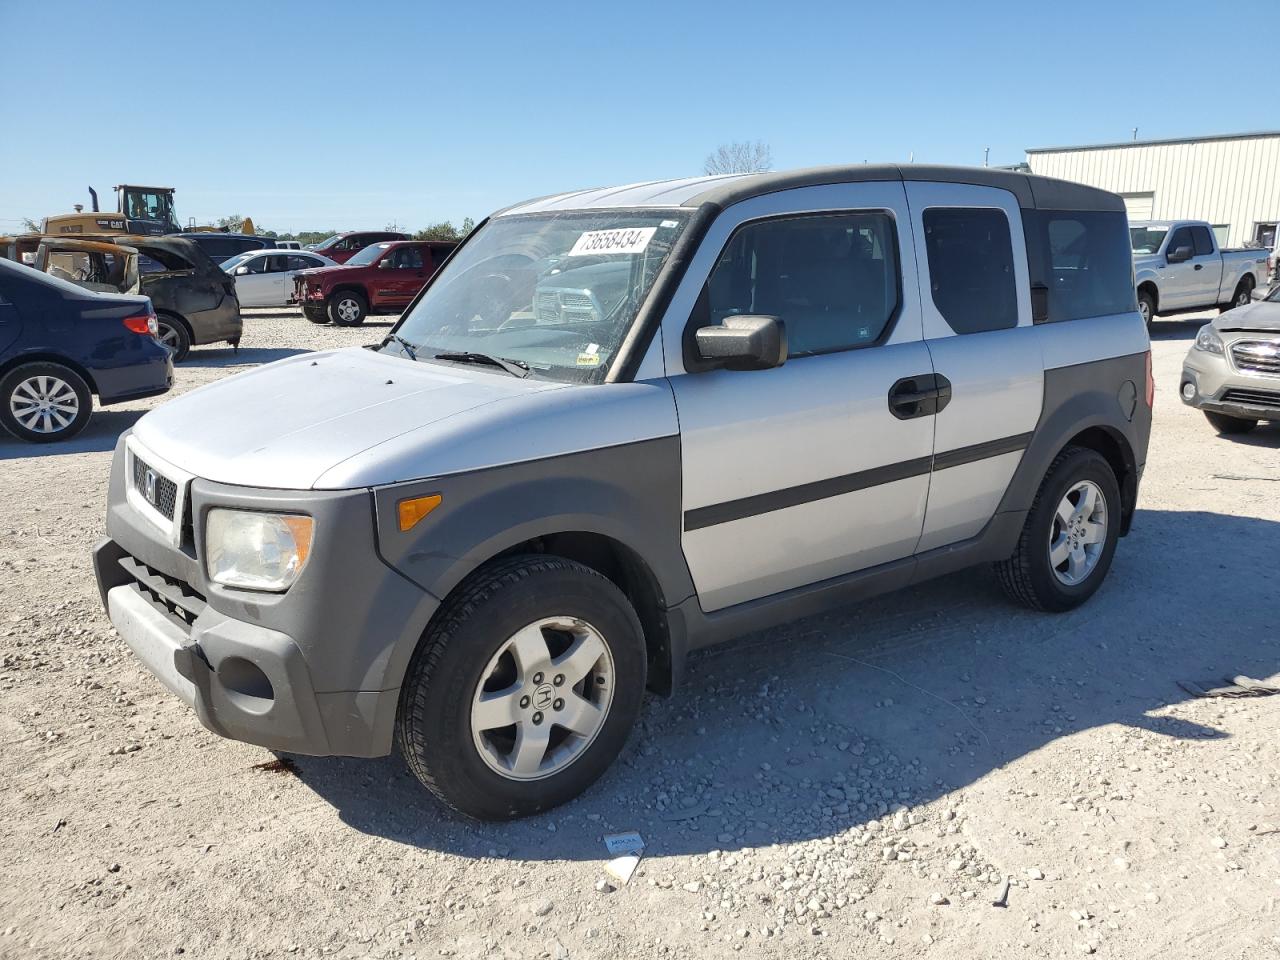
1229 425
348 308
585 665
44 402
172 333
1068 539
1241 298
1147 307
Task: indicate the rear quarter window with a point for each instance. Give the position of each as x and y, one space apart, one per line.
1085 260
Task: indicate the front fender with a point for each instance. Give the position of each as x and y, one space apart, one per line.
629 493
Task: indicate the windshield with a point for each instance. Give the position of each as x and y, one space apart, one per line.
368 254
1274 295
326 244
555 292
1146 239
231 263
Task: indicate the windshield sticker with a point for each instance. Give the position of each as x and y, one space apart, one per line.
588 359
595 243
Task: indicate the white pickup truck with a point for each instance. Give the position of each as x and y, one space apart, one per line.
1179 268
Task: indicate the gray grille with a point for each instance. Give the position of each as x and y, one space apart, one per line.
1252 398
165 496
558 306
1257 356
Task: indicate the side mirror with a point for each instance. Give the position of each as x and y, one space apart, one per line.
744 343
241 271
1179 255
385 264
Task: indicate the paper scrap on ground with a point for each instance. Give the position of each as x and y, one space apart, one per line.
621 868
630 842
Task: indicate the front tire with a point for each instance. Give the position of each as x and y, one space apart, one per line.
1069 537
524 689
316 314
1229 425
348 308
44 402
172 334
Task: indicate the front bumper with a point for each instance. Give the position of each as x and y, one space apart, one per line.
314 670
1209 382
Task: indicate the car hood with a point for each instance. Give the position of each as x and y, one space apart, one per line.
284 425
1261 315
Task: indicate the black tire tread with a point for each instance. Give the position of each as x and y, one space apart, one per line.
1014 573
471 596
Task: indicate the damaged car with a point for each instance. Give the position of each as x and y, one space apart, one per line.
1232 371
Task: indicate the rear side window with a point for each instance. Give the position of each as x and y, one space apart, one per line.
297 262
832 280
1084 259
971 268
1203 241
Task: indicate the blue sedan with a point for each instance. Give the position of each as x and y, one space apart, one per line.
60 344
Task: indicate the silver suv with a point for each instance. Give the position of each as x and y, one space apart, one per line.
1232 371
623 424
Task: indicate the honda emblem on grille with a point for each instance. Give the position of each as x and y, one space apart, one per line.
149 487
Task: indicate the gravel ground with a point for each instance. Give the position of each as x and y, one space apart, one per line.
859 784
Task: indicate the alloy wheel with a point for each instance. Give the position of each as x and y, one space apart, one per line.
542 698
348 310
1079 533
44 404
168 336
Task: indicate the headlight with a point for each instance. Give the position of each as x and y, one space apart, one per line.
1208 341
256 551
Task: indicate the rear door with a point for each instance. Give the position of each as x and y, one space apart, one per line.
10 322
976 309
817 468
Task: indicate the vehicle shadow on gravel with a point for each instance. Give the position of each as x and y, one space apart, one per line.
1178 329
806 730
244 357
104 429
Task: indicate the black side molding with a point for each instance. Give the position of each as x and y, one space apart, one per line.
729 510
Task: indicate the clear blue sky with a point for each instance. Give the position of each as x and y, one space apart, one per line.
318 114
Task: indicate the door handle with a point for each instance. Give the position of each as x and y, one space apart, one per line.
1199 266
920 396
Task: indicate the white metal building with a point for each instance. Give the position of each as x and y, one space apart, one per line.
1233 181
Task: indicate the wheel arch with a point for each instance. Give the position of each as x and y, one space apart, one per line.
1115 448
174 315
616 561
1149 287
45 356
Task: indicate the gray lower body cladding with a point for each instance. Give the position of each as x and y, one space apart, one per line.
327 656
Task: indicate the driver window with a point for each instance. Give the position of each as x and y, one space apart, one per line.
256 265
831 280
1181 238
408 259
276 263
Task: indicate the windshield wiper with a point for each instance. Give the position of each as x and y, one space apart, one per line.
409 348
517 368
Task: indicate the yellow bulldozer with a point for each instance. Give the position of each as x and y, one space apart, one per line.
142 211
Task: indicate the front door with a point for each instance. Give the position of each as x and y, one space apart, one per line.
401 283
819 467
976 307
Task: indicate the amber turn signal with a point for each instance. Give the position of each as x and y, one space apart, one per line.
411 511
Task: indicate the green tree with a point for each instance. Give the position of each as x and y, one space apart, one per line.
438 231
233 223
